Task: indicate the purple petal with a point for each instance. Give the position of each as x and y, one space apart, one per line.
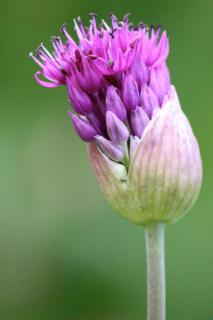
140 72
163 49
45 83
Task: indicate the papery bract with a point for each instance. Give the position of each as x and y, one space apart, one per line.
165 173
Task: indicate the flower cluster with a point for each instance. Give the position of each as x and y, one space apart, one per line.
117 79
141 146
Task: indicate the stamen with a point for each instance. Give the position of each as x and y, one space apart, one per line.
142 25
93 22
113 17
78 30
46 51
100 27
106 25
53 38
31 55
131 26
155 28
114 20
92 14
63 28
57 45
41 54
81 26
64 31
158 27
69 38
126 18
79 20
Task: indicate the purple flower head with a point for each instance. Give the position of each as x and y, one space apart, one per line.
116 68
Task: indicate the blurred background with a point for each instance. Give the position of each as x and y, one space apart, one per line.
64 254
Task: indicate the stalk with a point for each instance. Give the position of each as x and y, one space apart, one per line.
156 288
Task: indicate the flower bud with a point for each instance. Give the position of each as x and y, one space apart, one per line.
160 81
113 151
140 72
80 101
130 93
148 100
84 129
116 129
165 172
115 104
139 121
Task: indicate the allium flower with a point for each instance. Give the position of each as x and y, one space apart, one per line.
141 146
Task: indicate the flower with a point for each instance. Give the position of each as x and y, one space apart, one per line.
142 148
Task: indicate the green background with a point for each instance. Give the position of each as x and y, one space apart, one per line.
64 254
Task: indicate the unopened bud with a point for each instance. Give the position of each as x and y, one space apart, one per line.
130 92
116 129
113 151
83 127
115 104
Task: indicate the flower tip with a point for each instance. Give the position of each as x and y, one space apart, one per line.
79 20
126 17
62 28
93 14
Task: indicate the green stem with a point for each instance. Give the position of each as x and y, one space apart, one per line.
156 291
